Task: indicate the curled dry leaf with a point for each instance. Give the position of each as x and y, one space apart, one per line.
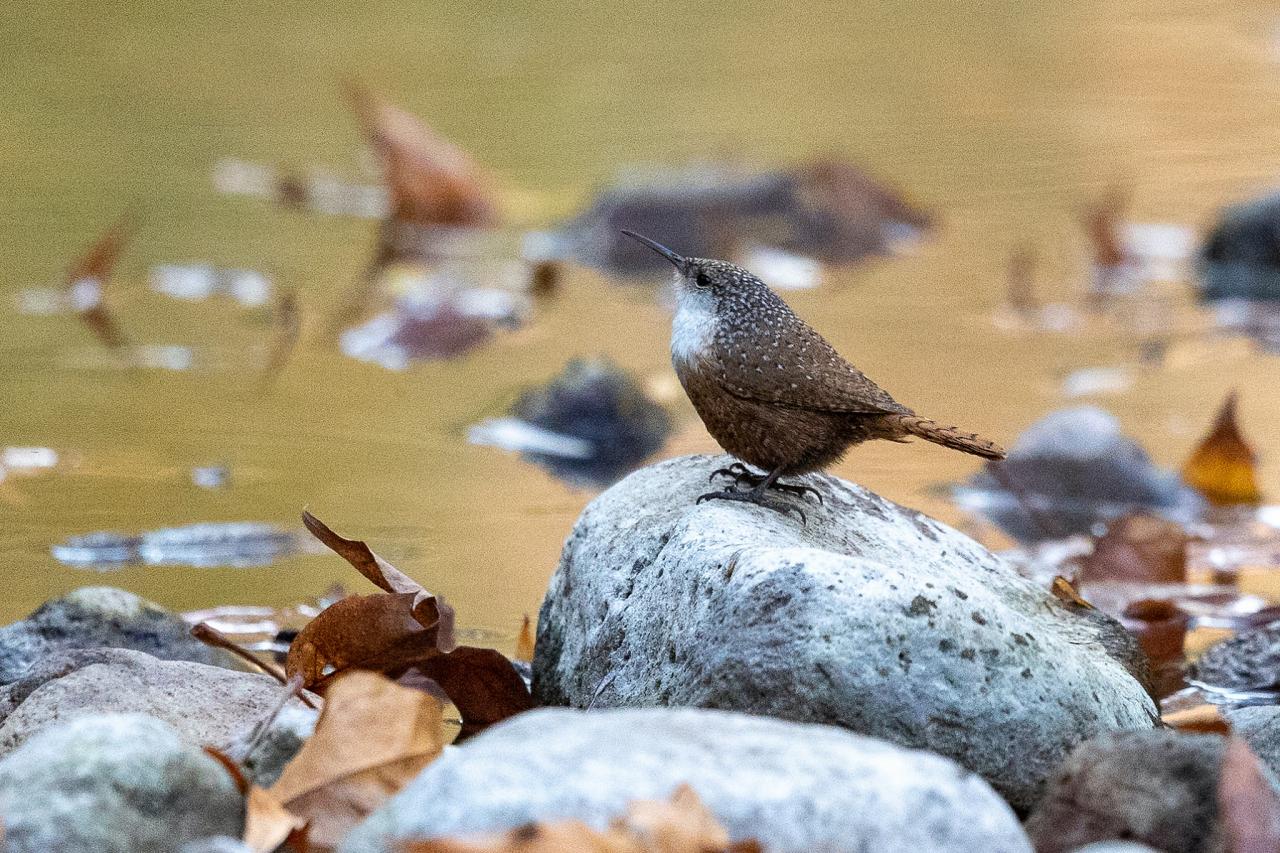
405 633
373 736
1223 467
1065 591
431 180
481 683
85 281
1160 627
1248 807
524 643
1138 547
681 825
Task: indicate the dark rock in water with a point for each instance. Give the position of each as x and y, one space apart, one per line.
828 209
1259 725
205 545
1241 256
793 788
1074 469
1248 663
115 783
98 617
590 425
871 617
1157 788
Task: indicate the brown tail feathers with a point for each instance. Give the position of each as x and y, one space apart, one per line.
965 442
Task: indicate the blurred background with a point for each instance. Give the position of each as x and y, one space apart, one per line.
265 341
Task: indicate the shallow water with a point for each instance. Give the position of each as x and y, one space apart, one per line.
1005 118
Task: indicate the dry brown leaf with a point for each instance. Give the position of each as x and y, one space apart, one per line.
1102 225
267 823
1138 547
88 276
1223 467
481 683
524 643
380 632
681 825
1248 808
431 180
1065 591
1160 627
1202 719
286 325
373 736
428 609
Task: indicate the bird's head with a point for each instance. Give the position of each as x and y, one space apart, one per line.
700 281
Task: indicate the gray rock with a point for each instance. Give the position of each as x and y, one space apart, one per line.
1116 847
791 787
1157 788
871 617
206 705
277 747
1241 257
1259 725
118 783
96 617
219 844
1077 469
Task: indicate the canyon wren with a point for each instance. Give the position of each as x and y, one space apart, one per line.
771 390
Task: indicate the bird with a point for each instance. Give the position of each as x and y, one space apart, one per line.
772 391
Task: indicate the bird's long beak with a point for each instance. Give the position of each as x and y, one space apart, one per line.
676 260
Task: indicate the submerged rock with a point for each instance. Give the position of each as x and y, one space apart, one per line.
872 617
790 787
828 209
1241 256
100 617
1245 666
1158 788
205 705
1075 469
590 425
119 783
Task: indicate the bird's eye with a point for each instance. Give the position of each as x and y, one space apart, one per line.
702 279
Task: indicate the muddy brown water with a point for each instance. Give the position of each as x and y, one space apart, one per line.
1005 118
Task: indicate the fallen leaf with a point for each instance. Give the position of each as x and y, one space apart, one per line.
372 738
431 180
681 825
1065 591
1102 225
267 823
481 683
428 609
1138 547
1248 807
1223 467
231 766
524 643
1202 719
86 279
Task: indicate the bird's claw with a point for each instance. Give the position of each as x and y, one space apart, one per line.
737 471
731 494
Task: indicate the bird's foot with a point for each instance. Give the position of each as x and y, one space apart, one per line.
753 497
741 475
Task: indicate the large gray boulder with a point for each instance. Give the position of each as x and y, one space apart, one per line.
791 787
206 705
114 784
1159 788
98 617
871 616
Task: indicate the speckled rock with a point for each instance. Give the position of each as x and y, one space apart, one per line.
1116 847
871 616
1259 725
206 705
118 783
277 747
791 787
1157 788
100 616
